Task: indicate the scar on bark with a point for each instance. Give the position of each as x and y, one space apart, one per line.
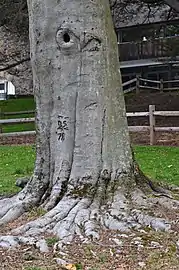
90 39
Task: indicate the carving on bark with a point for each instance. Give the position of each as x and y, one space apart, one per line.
62 126
90 42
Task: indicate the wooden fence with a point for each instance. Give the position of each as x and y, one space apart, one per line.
130 85
15 121
151 128
140 83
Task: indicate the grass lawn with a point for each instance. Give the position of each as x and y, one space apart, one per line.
15 162
15 105
19 104
160 163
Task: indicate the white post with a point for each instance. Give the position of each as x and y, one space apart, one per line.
152 124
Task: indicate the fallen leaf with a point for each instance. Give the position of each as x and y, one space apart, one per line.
70 267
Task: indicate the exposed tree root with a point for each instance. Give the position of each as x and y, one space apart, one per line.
12 208
83 209
85 217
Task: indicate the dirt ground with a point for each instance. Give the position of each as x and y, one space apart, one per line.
25 139
142 249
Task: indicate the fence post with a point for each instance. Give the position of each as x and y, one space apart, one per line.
152 124
137 85
161 85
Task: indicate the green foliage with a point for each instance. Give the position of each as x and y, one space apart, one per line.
103 258
37 212
32 268
51 241
78 266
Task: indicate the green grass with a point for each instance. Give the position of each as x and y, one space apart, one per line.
19 104
18 127
15 162
160 163
15 105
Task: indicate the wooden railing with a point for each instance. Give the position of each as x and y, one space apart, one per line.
129 85
141 83
15 121
161 47
151 128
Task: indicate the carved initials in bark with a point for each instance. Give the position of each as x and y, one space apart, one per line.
62 127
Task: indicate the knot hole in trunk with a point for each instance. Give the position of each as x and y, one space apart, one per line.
68 42
66 37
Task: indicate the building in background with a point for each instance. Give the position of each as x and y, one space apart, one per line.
6 89
149 44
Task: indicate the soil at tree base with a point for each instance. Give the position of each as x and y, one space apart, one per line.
145 249
167 101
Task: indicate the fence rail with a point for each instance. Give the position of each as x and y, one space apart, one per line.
2 114
16 121
152 114
141 83
152 128
21 133
129 85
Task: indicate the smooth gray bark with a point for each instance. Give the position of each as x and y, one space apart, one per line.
81 119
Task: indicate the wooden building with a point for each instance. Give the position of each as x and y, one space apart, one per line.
149 50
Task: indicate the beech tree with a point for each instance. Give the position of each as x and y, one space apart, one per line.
85 175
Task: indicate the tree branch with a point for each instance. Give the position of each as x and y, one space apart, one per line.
173 3
15 64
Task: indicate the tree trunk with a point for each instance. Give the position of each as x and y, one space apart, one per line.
84 169
81 119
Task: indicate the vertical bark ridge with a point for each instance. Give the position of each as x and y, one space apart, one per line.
75 122
102 136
